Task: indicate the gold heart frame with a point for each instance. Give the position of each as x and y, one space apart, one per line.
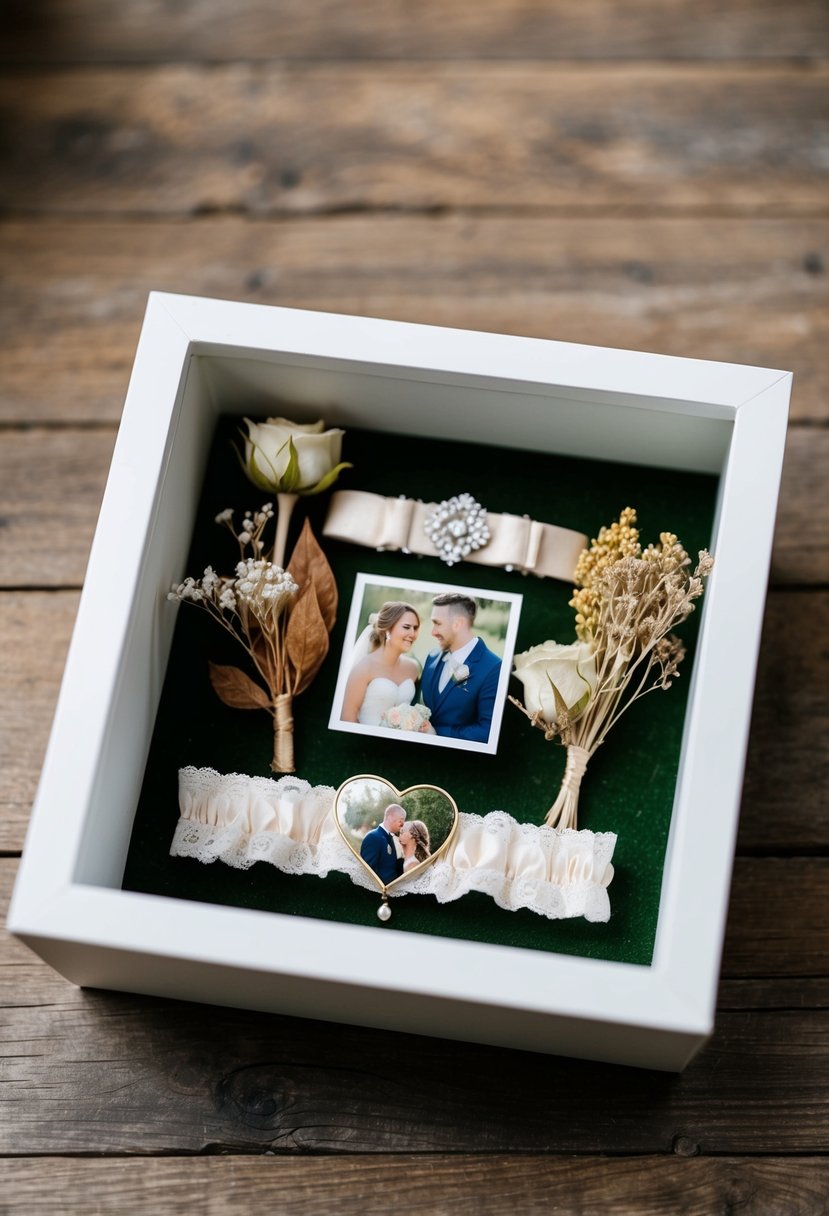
360 807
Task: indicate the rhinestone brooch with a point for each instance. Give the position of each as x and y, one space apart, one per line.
457 527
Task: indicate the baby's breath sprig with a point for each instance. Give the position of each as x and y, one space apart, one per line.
253 525
627 601
280 616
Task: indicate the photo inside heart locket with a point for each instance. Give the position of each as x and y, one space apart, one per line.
395 833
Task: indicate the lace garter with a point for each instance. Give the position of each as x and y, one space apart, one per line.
241 820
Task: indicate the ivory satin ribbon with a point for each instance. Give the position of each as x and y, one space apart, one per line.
516 541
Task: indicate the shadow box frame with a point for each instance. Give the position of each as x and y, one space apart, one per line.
193 353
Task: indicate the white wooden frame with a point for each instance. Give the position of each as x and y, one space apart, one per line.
194 358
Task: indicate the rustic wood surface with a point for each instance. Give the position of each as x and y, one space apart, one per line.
620 172
100 31
747 290
459 1184
175 138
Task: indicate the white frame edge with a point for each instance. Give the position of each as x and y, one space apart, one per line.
674 995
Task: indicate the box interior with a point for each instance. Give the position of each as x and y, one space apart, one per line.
423 437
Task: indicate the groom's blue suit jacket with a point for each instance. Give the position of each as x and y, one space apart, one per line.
463 711
377 850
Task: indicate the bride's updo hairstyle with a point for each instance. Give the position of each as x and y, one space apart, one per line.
384 620
420 832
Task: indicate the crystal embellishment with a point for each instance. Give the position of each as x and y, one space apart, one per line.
457 527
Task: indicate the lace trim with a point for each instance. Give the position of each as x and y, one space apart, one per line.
287 822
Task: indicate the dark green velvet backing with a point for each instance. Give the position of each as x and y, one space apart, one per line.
629 786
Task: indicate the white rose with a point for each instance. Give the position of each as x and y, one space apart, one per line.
572 669
292 457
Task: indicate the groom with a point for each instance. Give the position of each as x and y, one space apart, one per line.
379 848
460 678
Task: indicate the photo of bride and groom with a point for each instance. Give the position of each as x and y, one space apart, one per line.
395 846
394 833
431 664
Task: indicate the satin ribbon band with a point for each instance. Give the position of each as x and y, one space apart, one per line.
244 821
398 524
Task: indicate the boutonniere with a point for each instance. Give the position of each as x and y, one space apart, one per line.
460 674
627 600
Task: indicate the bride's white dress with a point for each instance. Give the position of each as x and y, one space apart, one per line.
381 694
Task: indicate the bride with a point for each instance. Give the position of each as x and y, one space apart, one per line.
387 675
414 840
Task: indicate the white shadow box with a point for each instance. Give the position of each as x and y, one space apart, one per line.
200 359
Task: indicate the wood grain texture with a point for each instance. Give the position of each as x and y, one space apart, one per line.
785 802
751 291
51 486
34 636
778 918
770 992
274 138
801 538
110 1073
147 30
440 1185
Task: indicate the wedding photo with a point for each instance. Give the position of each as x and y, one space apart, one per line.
426 663
394 834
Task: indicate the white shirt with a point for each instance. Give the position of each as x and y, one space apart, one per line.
454 659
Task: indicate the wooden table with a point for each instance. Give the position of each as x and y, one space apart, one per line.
620 172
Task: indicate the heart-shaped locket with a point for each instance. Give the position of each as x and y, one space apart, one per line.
395 833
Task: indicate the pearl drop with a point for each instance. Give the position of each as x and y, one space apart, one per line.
384 912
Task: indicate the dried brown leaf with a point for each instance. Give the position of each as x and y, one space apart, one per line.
236 689
309 564
306 638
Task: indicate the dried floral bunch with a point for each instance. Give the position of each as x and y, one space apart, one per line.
280 616
627 601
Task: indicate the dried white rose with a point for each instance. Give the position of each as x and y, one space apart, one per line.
572 669
292 457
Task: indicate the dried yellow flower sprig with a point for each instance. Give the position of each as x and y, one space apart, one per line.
618 540
628 601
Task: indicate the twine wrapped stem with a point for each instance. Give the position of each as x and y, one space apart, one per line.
564 811
283 735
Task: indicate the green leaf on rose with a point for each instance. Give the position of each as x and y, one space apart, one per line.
580 706
252 470
329 478
561 704
289 481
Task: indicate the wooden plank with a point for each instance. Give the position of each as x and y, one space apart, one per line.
784 801
106 31
745 291
778 920
275 138
34 636
801 539
463 1184
113 1073
51 486
772 992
